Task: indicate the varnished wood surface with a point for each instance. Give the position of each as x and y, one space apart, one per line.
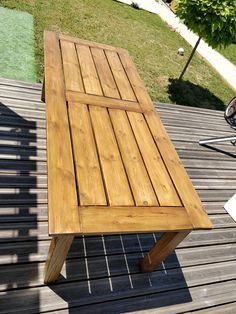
121 154
61 183
58 250
198 278
162 249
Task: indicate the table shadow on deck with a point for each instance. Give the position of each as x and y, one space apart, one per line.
117 276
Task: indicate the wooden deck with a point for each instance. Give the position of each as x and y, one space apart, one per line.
101 273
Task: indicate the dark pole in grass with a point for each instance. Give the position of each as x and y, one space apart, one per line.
190 58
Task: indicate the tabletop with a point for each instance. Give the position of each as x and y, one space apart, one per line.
111 165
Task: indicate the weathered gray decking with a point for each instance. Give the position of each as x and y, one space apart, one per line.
102 273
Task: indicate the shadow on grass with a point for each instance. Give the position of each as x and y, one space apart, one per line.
188 94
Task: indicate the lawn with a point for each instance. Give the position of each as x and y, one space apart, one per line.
152 45
229 53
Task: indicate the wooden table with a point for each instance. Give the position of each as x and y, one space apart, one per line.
111 165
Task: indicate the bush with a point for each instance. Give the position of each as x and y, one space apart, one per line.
212 20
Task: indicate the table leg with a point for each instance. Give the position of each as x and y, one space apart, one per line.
43 91
57 253
158 253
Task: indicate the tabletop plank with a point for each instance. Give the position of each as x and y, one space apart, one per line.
72 72
88 43
104 73
161 181
101 101
140 183
136 82
184 186
120 76
88 70
134 219
89 177
61 201
115 178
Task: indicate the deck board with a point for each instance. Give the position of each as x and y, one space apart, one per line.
198 277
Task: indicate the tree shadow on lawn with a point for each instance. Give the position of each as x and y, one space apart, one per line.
188 94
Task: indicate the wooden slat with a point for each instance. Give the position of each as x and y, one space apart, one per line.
62 198
141 186
208 164
17 83
23 96
166 289
11 107
176 120
72 73
23 271
193 251
196 110
223 224
120 76
32 232
217 298
199 132
117 186
178 174
161 181
216 184
88 71
220 309
133 219
20 89
104 73
136 82
209 173
102 101
89 178
20 166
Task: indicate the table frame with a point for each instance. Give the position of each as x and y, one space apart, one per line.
62 193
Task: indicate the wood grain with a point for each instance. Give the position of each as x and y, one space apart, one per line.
159 252
88 43
120 76
158 173
88 71
58 251
89 177
102 101
138 86
106 78
178 174
116 182
62 196
129 219
140 183
72 73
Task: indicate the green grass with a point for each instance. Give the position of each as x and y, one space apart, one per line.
152 45
229 53
16 45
